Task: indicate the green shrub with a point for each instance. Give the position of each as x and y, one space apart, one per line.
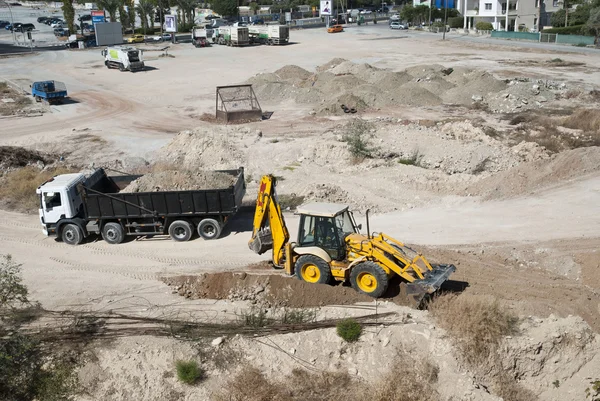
358 137
456 22
570 30
484 26
349 329
188 372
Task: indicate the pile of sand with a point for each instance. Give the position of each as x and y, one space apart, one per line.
528 177
183 180
363 87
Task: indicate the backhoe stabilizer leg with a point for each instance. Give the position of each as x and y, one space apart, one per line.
432 282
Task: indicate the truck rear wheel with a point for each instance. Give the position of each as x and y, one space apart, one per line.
209 229
312 269
180 230
113 233
72 235
369 278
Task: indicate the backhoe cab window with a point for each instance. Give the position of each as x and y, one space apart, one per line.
52 199
344 224
323 232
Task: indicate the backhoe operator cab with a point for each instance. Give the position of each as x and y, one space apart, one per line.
325 226
330 247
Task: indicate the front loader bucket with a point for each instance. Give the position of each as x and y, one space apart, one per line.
432 282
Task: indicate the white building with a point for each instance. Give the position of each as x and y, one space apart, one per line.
507 15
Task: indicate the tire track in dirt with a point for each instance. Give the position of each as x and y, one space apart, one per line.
102 269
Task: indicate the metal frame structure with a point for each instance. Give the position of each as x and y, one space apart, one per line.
241 105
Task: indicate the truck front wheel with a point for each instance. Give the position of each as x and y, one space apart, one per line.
180 230
113 233
209 229
72 234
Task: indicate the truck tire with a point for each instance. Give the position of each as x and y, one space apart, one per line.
113 233
312 269
209 229
369 278
121 67
180 230
71 234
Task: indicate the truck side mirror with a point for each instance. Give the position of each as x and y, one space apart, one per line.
359 226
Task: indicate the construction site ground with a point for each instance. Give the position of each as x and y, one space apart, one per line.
451 173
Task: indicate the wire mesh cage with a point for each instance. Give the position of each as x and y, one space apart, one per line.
237 103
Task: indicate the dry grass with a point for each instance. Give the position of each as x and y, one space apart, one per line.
409 380
478 323
587 120
507 387
17 187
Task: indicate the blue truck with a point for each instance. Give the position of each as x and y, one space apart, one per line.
50 91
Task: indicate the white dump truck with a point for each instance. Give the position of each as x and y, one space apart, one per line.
269 34
125 58
201 36
231 36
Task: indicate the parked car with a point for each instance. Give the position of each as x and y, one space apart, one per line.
86 17
335 28
42 19
24 28
136 39
383 10
57 24
61 32
395 17
4 24
8 27
53 21
397 25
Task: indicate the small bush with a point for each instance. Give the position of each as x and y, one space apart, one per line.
509 389
349 329
358 137
188 372
456 22
298 316
255 317
291 201
484 26
419 378
250 384
414 159
478 323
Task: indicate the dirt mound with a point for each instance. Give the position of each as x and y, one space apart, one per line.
326 193
292 72
376 88
15 157
528 177
274 290
180 181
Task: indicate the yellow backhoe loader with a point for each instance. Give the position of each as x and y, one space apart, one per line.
330 247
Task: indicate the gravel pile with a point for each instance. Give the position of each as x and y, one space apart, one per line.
180 181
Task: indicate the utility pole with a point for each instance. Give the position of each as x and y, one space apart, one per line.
430 7
566 14
445 18
540 2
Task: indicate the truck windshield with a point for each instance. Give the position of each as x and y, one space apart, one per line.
52 199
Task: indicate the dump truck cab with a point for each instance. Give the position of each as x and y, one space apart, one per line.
60 202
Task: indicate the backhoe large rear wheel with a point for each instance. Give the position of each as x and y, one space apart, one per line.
369 278
313 269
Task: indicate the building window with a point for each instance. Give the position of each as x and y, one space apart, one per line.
488 6
503 8
512 6
537 3
555 3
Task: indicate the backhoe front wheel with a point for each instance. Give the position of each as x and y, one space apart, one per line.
369 278
313 269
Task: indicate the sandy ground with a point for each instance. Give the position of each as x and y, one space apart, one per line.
536 249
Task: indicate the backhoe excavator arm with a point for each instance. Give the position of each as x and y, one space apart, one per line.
269 230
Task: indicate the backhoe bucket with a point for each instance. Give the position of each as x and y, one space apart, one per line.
261 242
432 282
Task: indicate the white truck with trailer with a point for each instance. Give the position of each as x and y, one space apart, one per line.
201 36
269 34
125 58
231 36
